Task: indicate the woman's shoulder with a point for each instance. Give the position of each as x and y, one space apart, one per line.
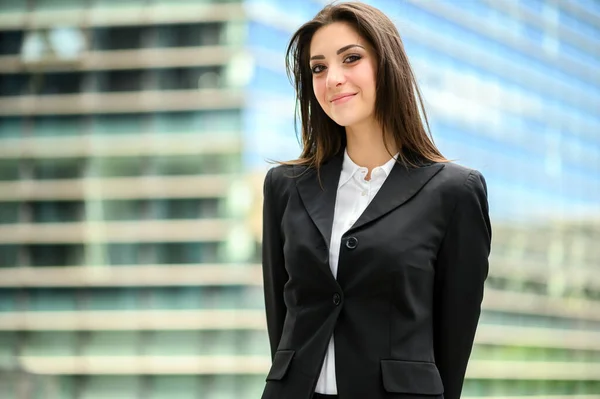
281 174
460 178
458 172
279 178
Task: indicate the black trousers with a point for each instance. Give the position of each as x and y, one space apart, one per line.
321 396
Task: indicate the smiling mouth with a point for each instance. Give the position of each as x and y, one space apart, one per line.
342 99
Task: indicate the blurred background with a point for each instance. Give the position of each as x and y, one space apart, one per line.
133 139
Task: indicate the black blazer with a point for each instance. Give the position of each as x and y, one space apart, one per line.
406 302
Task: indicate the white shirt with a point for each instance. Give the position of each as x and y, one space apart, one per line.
354 193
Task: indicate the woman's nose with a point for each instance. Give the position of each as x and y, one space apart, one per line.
335 77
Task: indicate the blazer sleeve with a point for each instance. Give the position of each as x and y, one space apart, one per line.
273 267
461 269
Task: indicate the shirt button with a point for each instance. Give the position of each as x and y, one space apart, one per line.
337 299
352 243
363 193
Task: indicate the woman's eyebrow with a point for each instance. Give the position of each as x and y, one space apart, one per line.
340 51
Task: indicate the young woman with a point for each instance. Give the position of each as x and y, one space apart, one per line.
375 247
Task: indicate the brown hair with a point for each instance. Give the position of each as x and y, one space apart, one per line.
396 105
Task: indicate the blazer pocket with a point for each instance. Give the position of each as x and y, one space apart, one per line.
400 376
281 363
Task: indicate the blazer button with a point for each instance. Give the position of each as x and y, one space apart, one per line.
337 299
352 243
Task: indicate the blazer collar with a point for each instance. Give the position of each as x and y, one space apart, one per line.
401 185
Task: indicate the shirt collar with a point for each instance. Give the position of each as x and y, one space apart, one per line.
389 165
349 168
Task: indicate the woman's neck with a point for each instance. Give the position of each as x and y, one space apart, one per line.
366 148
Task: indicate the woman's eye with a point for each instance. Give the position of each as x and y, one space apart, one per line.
352 58
317 69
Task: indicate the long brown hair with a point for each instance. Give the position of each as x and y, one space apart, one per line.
397 100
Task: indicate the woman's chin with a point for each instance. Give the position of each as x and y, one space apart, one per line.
349 121
345 121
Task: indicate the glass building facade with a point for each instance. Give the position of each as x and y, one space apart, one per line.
133 139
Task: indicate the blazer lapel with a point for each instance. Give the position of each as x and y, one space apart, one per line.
400 186
320 202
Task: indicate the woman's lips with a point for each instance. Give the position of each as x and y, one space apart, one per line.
343 98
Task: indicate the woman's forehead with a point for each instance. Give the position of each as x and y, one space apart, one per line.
330 38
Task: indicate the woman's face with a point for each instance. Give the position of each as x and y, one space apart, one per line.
343 67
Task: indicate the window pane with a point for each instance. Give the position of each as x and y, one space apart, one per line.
188 208
224 343
109 386
252 342
8 342
11 127
222 163
224 386
188 35
177 386
9 169
15 84
63 386
58 125
173 298
8 300
56 254
61 83
115 167
118 3
50 343
173 343
10 41
9 212
12 6
178 165
223 297
124 253
127 123
251 296
251 386
123 209
112 298
227 120
210 252
179 122
178 208
201 122
503 318
189 78
119 81
69 168
112 343
48 299
59 211
9 255
59 4
211 208
121 38
178 252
